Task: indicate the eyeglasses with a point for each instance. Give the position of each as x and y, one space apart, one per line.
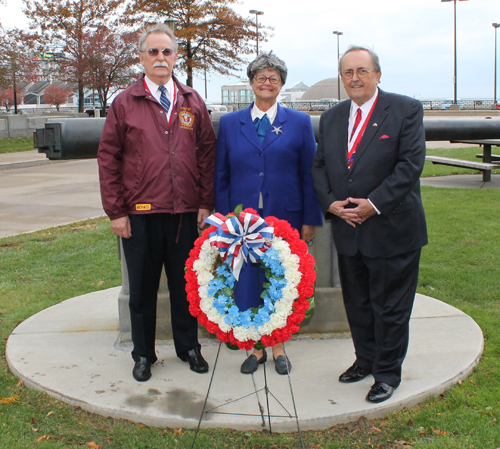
261 79
155 51
362 73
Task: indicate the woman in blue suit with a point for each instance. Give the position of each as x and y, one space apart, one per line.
263 161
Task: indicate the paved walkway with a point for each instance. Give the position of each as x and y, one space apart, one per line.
69 350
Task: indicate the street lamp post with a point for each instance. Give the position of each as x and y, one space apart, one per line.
496 25
257 14
338 33
455 46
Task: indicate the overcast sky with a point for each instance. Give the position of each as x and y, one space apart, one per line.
413 38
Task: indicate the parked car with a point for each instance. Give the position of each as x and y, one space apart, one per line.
215 107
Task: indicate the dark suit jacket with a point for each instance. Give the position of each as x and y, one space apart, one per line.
279 167
386 169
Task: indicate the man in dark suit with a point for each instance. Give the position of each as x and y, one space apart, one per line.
366 175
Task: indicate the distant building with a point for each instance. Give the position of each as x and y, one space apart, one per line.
241 92
327 88
293 93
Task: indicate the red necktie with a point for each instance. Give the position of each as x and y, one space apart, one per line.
356 122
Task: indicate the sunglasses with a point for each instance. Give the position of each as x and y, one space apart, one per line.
165 51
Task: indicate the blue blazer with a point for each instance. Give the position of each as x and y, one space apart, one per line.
279 167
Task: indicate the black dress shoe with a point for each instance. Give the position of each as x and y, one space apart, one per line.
380 392
353 374
142 370
196 361
251 364
282 364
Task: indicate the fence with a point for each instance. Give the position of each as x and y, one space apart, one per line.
440 105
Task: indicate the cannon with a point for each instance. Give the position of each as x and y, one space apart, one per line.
78 138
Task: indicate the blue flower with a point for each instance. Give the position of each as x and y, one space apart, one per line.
268 304
220 303
261 318
230 280
246 318
222 270
232 317
214 286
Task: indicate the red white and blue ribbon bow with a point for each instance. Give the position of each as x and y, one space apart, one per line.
240 239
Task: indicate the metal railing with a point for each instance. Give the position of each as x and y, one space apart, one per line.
437 105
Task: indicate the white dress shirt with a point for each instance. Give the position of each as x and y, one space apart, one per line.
170 92
365 110
271 112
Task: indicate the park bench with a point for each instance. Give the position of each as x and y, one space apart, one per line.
484 167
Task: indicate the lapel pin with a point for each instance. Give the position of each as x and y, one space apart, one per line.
375 124
277 130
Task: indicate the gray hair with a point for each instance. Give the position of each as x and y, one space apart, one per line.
375 60
267 61
159 28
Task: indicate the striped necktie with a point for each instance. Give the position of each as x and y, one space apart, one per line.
165 102
356 122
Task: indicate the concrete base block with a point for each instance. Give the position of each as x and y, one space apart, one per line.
18 126
328 316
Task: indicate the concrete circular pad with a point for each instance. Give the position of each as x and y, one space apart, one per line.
68 350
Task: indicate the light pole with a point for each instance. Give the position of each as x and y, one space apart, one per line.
455 46
257 14
338 33
496 25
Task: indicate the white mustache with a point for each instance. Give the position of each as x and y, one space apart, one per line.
160 64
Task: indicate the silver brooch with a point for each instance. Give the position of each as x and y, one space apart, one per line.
277 130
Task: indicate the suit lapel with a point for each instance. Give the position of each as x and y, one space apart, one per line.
271 136
248 128
377 118
342 125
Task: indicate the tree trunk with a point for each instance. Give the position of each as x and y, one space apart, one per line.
189 64
81 98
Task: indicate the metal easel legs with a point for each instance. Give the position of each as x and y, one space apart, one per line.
261 413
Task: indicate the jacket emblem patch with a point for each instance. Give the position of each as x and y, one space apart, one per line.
187 120
143 207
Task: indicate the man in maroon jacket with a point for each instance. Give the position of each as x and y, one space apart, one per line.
156 167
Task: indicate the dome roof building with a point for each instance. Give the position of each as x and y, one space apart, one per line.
327 88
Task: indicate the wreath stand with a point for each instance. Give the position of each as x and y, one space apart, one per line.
262 413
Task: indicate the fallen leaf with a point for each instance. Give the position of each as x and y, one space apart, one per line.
93 445
43 437
10 400
100 283
50 413
48 293
409 423
178 432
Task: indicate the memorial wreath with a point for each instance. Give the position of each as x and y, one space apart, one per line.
213 269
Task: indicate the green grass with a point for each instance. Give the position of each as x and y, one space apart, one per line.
15 144
459 266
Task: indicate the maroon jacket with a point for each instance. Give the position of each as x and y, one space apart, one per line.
147 166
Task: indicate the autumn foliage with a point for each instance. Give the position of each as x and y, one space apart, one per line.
56 94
